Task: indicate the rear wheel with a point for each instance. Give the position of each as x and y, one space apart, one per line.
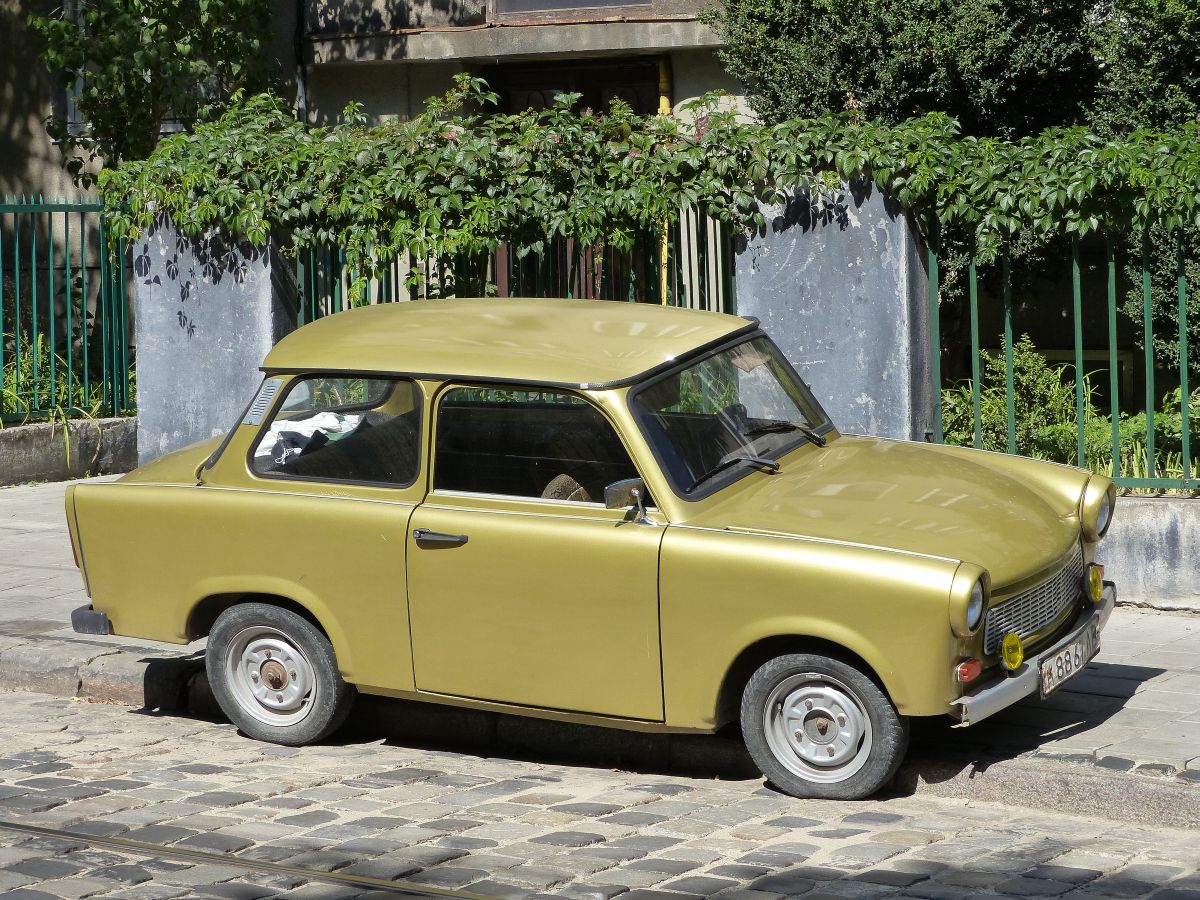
819 727
275 675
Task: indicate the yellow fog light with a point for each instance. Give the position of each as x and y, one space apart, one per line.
1012 651
1095 582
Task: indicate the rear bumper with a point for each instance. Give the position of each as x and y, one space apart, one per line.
1007 690
86 620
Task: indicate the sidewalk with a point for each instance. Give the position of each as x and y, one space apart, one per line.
1136 709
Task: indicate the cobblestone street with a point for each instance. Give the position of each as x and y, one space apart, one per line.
507 828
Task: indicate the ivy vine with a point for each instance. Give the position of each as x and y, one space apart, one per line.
457 180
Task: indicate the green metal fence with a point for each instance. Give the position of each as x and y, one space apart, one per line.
64 323
689 264
1112 329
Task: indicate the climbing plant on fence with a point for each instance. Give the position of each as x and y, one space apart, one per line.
459 180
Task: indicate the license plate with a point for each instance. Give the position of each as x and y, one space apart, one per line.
1062 665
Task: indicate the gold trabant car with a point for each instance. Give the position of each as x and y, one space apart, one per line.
605 513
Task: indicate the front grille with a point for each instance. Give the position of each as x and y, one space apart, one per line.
1032 611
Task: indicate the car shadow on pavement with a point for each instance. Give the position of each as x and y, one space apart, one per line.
1075 724
1066 724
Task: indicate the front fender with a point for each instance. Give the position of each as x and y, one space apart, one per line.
723 592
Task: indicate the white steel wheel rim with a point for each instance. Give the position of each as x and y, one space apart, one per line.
817 728
270 676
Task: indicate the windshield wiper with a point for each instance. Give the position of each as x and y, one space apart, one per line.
761 461
782 426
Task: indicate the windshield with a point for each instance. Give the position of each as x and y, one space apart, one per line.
713 421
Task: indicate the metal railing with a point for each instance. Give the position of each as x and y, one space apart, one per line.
690 265
1119 430
64 324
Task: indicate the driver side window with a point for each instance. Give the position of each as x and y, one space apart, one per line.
549 445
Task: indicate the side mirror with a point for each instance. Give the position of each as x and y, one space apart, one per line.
624 494
629 492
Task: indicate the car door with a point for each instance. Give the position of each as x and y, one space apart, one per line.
523 588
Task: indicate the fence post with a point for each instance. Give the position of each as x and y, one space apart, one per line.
1148 346
1077 304
1185 429
1115 407
935 333
976 389
1009 391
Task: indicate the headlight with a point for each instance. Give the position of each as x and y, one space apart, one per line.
1103 515
1096 507
975 606
968 598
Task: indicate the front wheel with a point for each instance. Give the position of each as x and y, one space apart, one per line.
275 675
819 727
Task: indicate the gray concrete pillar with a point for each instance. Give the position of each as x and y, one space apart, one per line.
842 288
207 311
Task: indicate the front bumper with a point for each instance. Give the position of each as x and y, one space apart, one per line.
1007 690
86 620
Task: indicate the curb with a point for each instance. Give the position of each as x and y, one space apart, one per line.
102 673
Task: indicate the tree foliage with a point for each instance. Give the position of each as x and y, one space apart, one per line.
455 180
141 63
1005 68
1002 68
1148 52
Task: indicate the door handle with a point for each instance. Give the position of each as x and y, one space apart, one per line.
425 536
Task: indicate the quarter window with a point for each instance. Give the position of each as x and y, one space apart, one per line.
334 428
543 444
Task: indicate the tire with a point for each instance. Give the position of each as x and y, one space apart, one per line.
275 675
852 740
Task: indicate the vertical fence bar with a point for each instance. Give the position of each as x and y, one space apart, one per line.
17 312
1009 392
35 358
1077 309
51 304
976 390
1 317
70 335
1148 345
123 330
103 304
935 333
1185 422
1111 261
83 303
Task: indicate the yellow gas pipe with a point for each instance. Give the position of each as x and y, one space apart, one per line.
664 242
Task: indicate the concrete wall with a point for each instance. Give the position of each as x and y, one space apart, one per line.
207 312
56 452
1152 551
842 290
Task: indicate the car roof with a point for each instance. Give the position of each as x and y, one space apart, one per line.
564 342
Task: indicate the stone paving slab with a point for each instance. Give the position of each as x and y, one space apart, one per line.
506 828
1135 710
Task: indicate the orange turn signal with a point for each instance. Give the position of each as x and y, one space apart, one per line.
968 670
1095 582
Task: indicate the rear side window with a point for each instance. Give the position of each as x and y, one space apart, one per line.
338 428
519 443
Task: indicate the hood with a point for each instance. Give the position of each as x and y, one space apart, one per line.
178 467
948 502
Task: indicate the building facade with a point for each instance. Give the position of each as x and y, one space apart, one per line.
392 56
